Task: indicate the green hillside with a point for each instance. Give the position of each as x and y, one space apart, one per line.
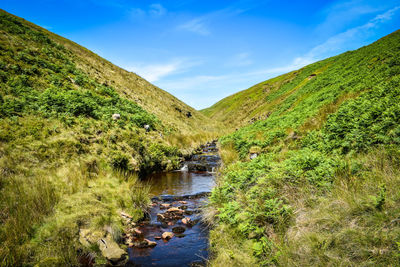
65 163
323 189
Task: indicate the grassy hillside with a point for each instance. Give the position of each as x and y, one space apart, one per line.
323 189
65 164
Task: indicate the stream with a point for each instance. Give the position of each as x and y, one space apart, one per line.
174 224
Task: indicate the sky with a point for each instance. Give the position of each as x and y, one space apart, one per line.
203 51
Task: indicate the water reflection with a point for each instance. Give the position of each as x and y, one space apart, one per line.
180 183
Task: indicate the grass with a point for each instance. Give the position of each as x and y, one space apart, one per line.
322 191
65 164
318 193
356 223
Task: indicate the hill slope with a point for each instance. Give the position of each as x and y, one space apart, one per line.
312 177
336 76
170 110
66 166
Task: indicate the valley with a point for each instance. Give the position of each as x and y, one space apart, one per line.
100 167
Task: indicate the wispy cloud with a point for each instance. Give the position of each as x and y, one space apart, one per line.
339 42
331 46
240 60
153 10
201 25
341 14
157 10
157 71
197 25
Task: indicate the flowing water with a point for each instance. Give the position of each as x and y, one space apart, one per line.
186 189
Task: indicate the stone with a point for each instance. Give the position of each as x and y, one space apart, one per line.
171 223
151 243
189 212
141 243
146 127
167 235
178 229
116 116
157 237
160 217
174 210
111 251
136 232
126 215
253 155
182 202
187 221
165 206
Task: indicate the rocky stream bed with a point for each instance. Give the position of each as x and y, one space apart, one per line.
173 233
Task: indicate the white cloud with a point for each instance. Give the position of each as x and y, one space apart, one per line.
153 10
331 46
157 71
196 26
157 10
339 41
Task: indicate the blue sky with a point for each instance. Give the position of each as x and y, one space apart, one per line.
202 51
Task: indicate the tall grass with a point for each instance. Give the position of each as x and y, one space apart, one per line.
356 223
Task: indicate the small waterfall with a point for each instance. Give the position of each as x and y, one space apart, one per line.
185 168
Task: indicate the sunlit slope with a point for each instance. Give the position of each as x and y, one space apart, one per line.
308 89
313 179
67 165
170 110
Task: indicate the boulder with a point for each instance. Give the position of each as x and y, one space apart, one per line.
111 251
167 235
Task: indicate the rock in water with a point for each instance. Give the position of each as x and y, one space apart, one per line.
165 206
178 229
151 243
187 221
167 235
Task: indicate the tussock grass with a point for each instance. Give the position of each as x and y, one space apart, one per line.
355 224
